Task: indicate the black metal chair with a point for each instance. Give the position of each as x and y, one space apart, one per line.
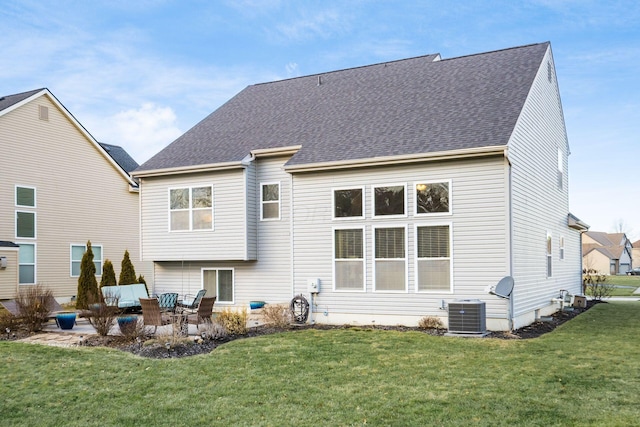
168 301
191 302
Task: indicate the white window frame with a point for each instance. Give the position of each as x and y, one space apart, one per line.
233 283
549 258
363 260
450 258
415 197
373 201
333 203
278 202
35 263
190 209
35 225
405 259
83 245
35 196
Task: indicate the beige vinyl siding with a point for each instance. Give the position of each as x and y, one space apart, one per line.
80 194
478 220
539 206
269 277
9 275
227 240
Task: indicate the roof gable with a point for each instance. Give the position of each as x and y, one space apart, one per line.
412 106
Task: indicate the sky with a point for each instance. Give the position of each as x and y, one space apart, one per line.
140 73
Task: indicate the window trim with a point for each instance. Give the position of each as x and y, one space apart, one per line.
406 258
35 196
190 209
429 214
363 260
333 203
84 245
373 201
561 248
35 225
233 283
450 258
279 201
35 263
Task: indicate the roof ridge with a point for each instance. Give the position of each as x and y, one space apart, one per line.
496 51
326 73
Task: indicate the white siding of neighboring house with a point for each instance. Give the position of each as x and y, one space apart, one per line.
539 206
80 194
266 279
479 251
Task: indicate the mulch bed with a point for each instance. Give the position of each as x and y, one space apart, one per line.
190 348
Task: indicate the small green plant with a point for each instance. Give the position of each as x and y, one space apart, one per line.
127 271
32 303
595 284
277 315
87 283
108 274
430 322
234 322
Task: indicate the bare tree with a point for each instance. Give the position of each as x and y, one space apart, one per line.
621 226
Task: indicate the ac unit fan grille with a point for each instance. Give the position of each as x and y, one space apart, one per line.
467 317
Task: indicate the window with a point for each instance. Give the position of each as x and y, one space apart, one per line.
26 197
549 255
389 200
560 168
270 199
27 264
432 198
348 261
561 247
348 203
77 252
219 284
191 208
390 259
26 225
433 264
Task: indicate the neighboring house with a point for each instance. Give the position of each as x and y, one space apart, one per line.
396 188
59 189
635 254
607 253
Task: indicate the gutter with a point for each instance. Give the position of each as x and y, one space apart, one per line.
190 169
401 159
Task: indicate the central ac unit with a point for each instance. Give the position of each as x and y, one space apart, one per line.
467 317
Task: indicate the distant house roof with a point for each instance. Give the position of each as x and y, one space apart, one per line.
636 244
9 100
413 106
121 157
6 244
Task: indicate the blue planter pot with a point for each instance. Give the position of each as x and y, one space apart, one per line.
66 320
127 324
256 304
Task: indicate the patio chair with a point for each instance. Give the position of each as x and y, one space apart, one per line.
204 312
152 315
168 301
191 303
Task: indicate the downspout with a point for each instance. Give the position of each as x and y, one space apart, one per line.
510 318
291 249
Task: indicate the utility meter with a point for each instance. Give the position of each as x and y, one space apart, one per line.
313 286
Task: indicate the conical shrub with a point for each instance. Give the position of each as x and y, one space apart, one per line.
127 271
87 283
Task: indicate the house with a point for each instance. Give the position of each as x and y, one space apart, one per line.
393 189
635 254
607 253
59 189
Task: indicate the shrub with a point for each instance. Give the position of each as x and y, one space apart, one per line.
595 284
430 322
132 327
32 303
234 322
8 322
142 280
87 283
276 315
127 271
212 331
101 316
108 274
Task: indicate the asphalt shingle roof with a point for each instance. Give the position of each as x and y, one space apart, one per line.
120 156
9 100
412 106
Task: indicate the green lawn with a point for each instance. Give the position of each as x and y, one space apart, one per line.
584 373
625 285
